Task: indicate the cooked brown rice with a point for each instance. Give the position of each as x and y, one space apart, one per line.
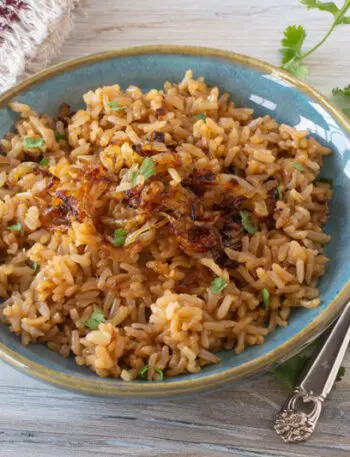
197 190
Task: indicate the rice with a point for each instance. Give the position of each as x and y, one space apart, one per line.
149 231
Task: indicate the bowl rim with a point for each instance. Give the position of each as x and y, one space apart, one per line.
95 385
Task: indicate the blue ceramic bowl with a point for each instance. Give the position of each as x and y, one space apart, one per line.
251 83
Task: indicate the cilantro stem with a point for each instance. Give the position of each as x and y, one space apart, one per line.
337 18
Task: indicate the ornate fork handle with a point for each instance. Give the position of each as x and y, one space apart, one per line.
298 417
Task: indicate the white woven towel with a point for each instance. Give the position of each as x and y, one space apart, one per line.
31 32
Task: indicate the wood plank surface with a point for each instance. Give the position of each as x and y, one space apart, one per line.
38 420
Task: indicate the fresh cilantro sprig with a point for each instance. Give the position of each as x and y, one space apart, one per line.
341 98
294 37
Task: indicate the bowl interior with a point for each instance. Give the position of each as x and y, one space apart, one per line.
266 92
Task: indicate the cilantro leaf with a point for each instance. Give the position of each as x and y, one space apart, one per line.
148 168
279 193
341 374
266 298
346 91
294 37
44 161
143 372
248 224
292 42
299 167
341 97
296 69
218 285
289 372
134 178
96 318
115 106
35 266
201 117
119 237
15 227
59 137
322 6
33 143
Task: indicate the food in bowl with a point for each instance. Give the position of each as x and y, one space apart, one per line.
148 231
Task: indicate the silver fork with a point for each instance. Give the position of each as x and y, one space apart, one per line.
298 418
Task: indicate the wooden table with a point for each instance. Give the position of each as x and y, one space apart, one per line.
37 420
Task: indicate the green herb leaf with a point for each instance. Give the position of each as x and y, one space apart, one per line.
279 194
218 285
292 42
341 97
341 374
299 167
201 117
44 161
119 237
322 6
289 372
296 69
134 178
266 298
59 137
326 181
143 372
96 318
115 106
35 266
248 224
344 92
294 36
15 227
148 168
33 143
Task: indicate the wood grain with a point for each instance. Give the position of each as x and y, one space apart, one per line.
38 420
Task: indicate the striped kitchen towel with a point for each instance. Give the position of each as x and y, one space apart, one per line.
31 32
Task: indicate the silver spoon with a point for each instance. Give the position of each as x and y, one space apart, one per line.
298 418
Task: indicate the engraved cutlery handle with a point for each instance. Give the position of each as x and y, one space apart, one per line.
298 417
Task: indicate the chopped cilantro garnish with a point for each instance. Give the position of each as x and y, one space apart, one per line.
299 167
96 318
279 194
143 372
119 237
15 227
33 143
266 298
59 136
201 117
44 161
35 266
218 285
148 168
248 224
115 106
